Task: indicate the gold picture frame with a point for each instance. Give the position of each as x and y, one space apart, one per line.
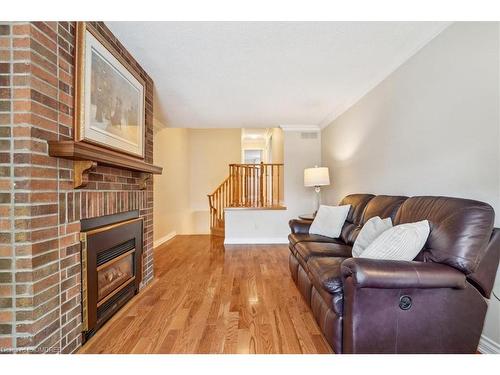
109 96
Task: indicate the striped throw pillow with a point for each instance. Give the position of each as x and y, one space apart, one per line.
402 242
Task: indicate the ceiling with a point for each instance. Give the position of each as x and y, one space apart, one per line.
266 74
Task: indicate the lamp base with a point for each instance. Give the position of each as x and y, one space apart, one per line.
317 189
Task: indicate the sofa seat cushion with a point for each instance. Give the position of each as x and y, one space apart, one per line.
306 250
295 238
318 249
326 276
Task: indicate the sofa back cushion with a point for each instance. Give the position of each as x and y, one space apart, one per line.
383 206
460 229
358 203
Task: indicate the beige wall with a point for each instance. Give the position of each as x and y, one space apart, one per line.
195 162
271 146
254 144
171 213
210 153
277 156
431 127
277 145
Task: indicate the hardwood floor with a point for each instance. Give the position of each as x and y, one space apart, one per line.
207 299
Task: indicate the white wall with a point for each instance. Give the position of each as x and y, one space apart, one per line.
271 226
299 153
431 127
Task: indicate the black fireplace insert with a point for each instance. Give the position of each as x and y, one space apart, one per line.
111 266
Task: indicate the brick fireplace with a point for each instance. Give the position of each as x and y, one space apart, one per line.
40 212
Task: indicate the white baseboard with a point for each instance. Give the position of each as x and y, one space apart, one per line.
162 240
488 346
255 241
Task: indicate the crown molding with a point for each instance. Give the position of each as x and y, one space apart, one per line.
300 128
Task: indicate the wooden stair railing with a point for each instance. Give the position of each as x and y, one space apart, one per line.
217 201
248 186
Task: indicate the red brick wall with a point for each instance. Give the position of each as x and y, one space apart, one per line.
39 210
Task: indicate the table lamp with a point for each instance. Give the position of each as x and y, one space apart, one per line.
317 177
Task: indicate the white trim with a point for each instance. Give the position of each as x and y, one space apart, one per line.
343 107
255 241
162 240
488 346
300 128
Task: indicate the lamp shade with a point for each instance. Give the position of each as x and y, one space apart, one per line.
317 176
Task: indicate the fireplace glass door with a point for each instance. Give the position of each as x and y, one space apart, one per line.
112 275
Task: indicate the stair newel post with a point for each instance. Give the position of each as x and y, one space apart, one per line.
244 185
261 184
247 185
240 194
231 184
272 184
236 186
227 193
254 190
210 207
247 181
216 205
278 184
231 178
266 186
257 185
219 211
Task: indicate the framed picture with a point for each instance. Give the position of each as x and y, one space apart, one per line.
109 108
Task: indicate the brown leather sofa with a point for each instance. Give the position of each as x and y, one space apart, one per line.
434 304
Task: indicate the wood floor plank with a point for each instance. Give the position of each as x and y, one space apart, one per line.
211 298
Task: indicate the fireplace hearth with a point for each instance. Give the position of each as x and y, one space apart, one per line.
111 266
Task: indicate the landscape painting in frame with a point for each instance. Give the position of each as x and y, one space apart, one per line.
110 97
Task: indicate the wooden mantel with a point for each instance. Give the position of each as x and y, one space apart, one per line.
87 156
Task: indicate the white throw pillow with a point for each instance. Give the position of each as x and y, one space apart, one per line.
329 220
402 242
370 231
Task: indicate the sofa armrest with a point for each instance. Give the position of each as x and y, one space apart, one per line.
391 274
299 226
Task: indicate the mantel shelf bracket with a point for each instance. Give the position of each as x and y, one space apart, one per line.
81 168
143 181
